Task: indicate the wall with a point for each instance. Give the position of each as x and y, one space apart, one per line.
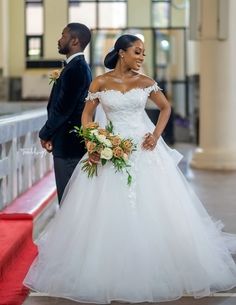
55 21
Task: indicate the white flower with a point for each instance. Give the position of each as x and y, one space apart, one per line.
106 153
107 143
101 138
94 132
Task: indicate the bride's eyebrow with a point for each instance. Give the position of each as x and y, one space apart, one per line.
140 49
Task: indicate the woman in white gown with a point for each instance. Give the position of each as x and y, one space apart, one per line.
149 242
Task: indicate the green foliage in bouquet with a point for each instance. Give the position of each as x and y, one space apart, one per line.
108 147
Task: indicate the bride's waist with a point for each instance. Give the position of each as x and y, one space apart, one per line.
130 130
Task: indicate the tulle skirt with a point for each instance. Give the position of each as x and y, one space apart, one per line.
148 242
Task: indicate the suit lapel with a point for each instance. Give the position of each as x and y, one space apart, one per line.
72 62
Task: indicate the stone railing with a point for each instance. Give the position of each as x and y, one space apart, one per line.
22 160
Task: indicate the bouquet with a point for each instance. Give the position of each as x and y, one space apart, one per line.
110 148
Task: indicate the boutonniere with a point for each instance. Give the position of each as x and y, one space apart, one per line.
54 75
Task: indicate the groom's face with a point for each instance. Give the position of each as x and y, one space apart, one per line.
64 43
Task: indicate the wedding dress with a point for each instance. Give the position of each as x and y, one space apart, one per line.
148 242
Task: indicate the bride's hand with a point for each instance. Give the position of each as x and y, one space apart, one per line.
150 141
94 157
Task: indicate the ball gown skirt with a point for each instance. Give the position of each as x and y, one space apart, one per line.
149 242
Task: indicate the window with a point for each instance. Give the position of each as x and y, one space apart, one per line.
83 12
106 18
34 47
99 14
161 13
34 29
112 15
169 13
102 42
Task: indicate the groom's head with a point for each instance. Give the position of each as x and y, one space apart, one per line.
75 37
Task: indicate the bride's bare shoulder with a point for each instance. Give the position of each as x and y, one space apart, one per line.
99 82
146 81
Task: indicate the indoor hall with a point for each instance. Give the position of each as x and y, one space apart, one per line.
189 52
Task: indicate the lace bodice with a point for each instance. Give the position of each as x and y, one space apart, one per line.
125 110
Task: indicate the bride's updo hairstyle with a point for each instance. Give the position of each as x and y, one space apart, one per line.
122 43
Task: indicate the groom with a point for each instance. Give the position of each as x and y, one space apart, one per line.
66 104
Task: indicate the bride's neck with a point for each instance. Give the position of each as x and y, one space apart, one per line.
122 71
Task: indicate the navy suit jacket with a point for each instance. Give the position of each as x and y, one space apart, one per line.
65 107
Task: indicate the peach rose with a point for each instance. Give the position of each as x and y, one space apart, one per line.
92 125
116 141
125 157
118 152
127 146
55 74
103 132
90 146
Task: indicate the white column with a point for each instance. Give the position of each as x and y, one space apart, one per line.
217 96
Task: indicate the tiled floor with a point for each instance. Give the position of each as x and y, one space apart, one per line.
217 190
220 300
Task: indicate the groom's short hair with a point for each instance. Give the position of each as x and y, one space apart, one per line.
82 32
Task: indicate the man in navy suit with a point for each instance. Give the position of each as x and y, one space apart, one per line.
66 104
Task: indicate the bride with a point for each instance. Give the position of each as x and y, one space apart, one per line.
151 241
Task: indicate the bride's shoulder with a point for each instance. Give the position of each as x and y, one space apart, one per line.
99 82
146 81
148 84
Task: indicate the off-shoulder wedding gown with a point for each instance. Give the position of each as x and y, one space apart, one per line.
151 241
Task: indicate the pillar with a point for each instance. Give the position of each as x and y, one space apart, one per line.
217 147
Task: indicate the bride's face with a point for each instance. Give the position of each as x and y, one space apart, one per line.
134 56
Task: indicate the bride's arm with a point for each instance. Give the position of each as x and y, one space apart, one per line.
91 103
89 111
165 109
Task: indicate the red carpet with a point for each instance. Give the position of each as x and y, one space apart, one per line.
17 250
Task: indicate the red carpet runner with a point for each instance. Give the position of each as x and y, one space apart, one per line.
17 252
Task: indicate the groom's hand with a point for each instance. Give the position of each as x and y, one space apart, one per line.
47 145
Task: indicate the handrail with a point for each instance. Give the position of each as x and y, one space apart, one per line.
23 162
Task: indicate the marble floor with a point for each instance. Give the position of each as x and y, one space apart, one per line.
217 190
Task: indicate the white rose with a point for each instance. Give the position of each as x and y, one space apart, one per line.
106 153
94 131
101 138
107 143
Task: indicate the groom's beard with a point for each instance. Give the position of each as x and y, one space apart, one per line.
64 50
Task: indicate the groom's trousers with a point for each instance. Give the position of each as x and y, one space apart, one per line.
63 170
